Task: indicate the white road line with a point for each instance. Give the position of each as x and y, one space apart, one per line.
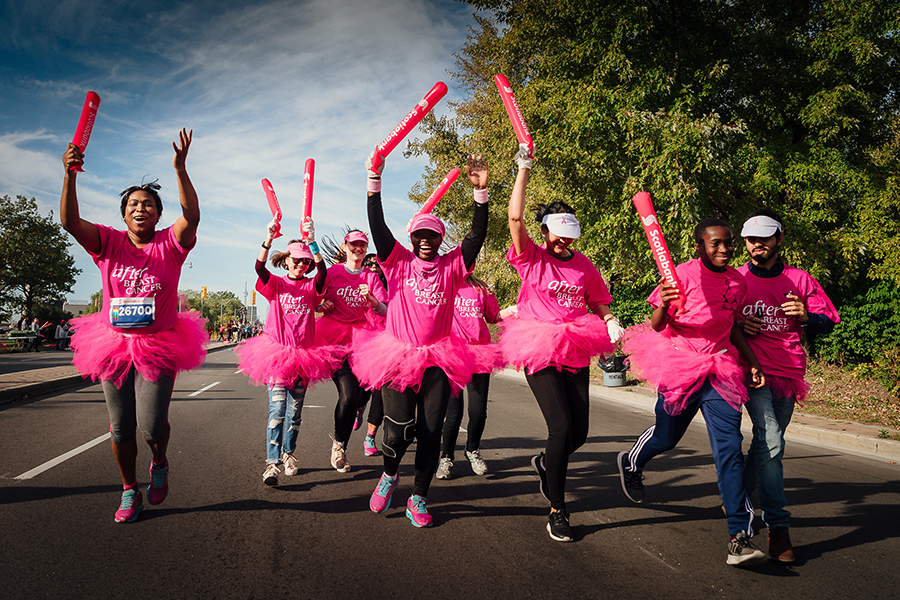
201 390
62 458
238 372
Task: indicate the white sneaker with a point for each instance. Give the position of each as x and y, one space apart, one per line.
270 475
291 466
339 457
479 467
443 471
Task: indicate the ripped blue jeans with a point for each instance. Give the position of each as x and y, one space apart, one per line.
285 406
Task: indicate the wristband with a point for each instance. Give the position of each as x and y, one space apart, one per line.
373 185
269 247
313 247
481 196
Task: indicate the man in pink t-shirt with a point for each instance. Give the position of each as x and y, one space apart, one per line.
781 303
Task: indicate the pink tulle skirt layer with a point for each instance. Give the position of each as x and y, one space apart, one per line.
105 353
266 361
677 373
379 359
787 387
487 358
537 344
332 331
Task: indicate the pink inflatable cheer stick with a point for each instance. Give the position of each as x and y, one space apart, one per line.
658 244
273 206
409 122
309 173
515 115
86 124
439 192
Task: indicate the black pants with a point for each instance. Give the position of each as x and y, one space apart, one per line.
376 409
563 399
416 416
476 395
349 394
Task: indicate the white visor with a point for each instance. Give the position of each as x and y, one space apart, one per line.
563 225
760 226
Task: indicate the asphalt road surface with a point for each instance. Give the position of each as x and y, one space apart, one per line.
223 534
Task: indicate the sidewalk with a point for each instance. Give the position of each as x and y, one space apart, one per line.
36 382
846 436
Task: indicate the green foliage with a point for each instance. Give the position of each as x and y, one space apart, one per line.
96 303
35 264
218 307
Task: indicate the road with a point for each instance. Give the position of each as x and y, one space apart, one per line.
25 361
223 534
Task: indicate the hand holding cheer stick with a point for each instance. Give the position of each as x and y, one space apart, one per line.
85 124
658 244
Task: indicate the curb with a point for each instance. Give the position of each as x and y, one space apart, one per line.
853 438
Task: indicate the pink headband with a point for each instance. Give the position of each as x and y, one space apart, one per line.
426 221
299 250
356 236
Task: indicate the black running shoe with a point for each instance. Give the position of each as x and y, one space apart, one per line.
537 463
558 527
632 481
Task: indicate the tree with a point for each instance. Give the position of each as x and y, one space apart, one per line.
35 263
218 307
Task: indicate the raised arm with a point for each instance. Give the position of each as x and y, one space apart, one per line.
477 173
381 234
517 201
85 233
185 228
261 271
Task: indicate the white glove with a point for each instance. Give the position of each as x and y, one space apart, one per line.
523 158
509 312
309 230
373 172
272 228
615 330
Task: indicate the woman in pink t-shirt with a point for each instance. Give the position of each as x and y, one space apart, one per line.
285 358
416 361
554 336
139 341
475 306
354 295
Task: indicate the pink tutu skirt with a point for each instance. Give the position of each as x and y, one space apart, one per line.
332 331
266 361
379 359
105 353
676 373
537 344
487 358
788 387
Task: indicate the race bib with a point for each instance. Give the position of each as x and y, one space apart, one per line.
127 313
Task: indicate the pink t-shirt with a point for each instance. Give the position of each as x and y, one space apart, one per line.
421 293
777 345
472 307
342 289
140 285
711 305
554 290
292 303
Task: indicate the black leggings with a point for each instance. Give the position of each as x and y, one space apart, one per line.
563 398
476 394
349 394
376 410
416 416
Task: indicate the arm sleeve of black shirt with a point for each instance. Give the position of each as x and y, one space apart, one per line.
819 324
381 235
262 272
321 275
474 240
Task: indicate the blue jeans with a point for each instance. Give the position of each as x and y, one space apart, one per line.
765 471
285 406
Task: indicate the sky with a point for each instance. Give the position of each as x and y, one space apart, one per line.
264 85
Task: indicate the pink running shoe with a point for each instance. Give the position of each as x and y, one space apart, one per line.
359 418
131 506
369 446
159 483
416 511
381 497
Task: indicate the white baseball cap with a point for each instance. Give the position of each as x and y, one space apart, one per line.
564 225
760 226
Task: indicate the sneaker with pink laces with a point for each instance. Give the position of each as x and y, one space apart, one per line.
131 505
159 482
416 511
381 497
369 446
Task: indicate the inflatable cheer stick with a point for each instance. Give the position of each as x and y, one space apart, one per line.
409 122
273 206
658 245
309 173
86 124
515 115
439 192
